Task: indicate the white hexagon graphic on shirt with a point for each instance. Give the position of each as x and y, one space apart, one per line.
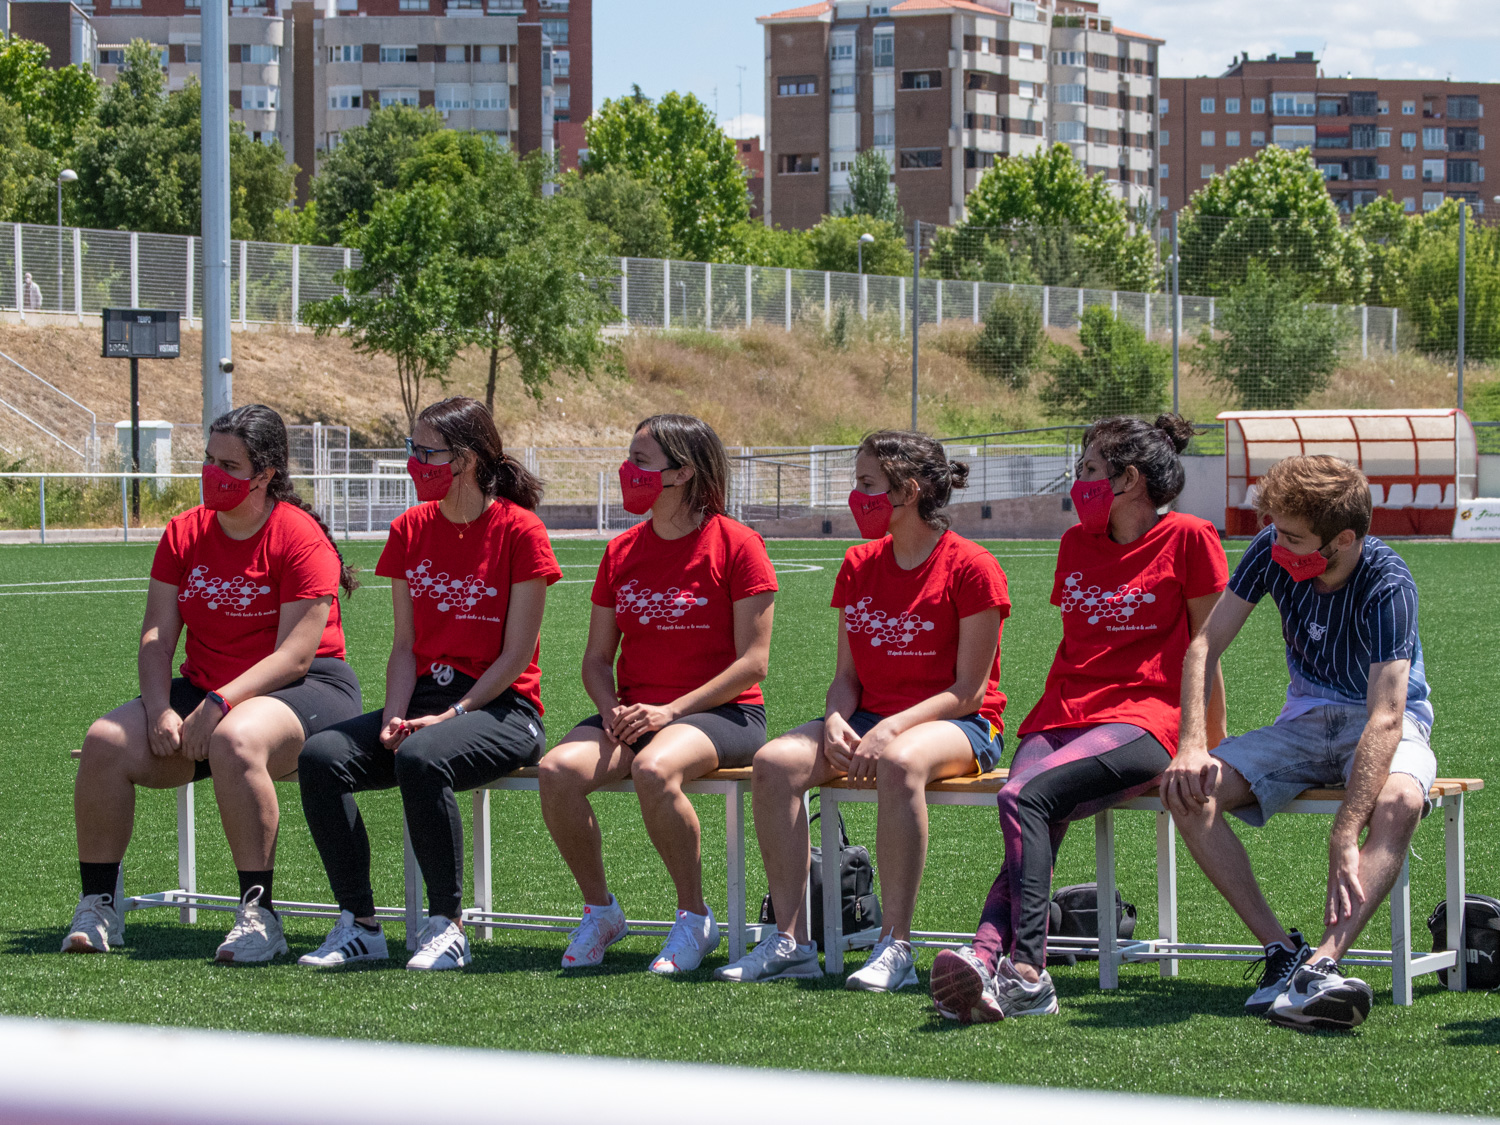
238 592
1103 605
649 605
462 594
883 629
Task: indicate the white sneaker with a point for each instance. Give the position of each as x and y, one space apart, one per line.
96 925
891 966
778 957
1020 997
599 929
256 935
347 943
1321 997
441 945
693 937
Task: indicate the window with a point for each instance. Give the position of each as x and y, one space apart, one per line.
1332 171
1408 204
1068 131
1361 136
1257 139
797 87
259 97
797 164
1408 171
1098 61
1231 105
921 79
450 54
1294 136
1025 128
1463 107
1166 170
1333 140
1166 104
488 54
1330 107
1257 105
841 50
1382 138
1069 93
841 91
413 5
1382 171
345 97
347 52
973 158
398 97
916 159
557 31
1205 105
451 97
1432 200
1232 138
1463 171
1434 140
561 61
262 54
1363 168
885 130
1024 10
1408 109
885 48
1030 90
1293 105
491 98
192 52
1206 138
1028 52
398 54
112 56
1069 58
1432 171
1206 171
883 92
1364 104
843 131
1099 98
1166 136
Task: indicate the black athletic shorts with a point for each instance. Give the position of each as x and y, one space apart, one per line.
328 694
737 731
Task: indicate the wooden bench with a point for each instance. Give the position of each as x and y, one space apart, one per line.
731 784
1447 794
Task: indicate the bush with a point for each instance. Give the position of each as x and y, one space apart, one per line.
1272 347
1118 371
1011 340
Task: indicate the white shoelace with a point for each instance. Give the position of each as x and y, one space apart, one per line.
590 925
885 955
778 948
90 915
439 935
345 933
680 940
247 920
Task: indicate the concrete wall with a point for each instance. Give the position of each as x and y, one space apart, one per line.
1032 517
1489 475
1203 493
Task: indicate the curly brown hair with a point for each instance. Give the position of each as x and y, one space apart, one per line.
1328 492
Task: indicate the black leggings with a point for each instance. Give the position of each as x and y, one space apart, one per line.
462 753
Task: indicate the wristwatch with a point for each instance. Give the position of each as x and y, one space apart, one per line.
460 709
217 699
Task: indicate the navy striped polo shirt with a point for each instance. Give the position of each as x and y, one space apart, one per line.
1332 639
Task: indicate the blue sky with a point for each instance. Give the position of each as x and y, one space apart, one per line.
696 45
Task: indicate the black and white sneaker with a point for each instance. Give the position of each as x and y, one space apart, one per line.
1323 999
441 945
1280 963
347 943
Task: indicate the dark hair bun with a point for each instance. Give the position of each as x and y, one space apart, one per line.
958 474
1178 429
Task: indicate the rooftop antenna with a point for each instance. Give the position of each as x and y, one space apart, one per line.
740 122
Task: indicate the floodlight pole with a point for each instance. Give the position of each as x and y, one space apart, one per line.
1176 312
916 310
1463 223
135 439
218 387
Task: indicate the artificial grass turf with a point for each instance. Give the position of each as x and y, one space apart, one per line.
67 651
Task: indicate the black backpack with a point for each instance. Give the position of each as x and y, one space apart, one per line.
1075 913
1481 939
856 888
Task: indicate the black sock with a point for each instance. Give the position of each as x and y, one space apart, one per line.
250 881
99 878
375 929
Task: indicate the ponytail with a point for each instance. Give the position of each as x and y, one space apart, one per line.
467 426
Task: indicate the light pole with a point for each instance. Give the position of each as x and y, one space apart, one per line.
864 240
66 176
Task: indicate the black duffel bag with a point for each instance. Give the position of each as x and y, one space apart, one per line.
856 887
1075 913
1481 940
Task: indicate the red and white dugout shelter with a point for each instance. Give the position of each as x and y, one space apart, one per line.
1421 464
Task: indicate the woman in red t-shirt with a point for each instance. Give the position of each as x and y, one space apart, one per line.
1134 586
686 599
253 576
915 697
469 569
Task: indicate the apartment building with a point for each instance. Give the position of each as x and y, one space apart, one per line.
1420 141
752 159
64 28
945 88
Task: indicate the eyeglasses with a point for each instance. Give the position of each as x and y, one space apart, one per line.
424 454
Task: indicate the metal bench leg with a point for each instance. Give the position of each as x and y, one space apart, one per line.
483 884
1453 851
1166 888
734 833
1401 936
833 907
1104 862
187 850
413 889
807 890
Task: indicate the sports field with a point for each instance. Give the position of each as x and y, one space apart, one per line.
69 620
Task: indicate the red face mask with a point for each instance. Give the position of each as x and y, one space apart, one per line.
872 514
1300 567
1092 500
639 488
432 481
222 492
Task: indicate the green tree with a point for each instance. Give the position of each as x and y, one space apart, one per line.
53 104
1271 345
1067 227
1430 292
1272 208
835 245
1117 371
756 244
366 162
677 147
871 190
1389 236
628 208
1011 341
404 298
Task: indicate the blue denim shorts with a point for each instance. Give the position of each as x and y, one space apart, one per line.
1316 749
986 742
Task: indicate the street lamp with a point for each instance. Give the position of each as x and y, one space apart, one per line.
66 176
864 239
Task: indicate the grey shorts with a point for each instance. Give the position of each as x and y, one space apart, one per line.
1316 749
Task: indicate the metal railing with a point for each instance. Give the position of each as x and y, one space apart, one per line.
41 397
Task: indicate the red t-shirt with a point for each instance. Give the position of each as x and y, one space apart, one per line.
230 591
460 587
903 624
674 605
1125 626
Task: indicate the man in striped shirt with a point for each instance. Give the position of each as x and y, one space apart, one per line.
1357 715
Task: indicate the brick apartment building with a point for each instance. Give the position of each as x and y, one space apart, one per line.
753 160
945 88
1420 141
303 72
64 28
